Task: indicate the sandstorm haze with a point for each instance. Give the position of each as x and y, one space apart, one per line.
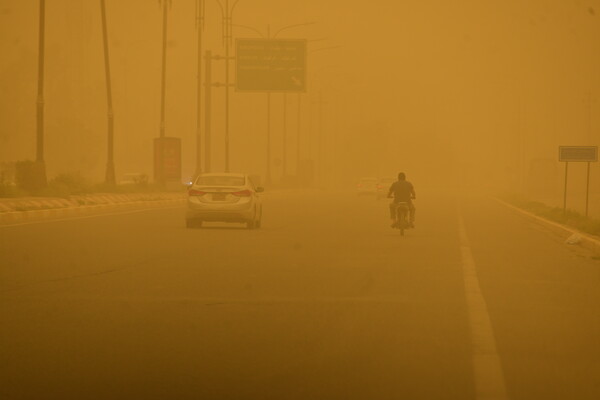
479 89
301 268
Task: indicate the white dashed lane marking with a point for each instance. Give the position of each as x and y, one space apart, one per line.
487 369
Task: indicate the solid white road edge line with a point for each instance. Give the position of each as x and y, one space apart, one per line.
46 221
487 369
550 223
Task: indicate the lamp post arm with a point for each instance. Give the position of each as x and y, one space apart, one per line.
324 48
233 7
230 21
221 7
249 28
290 27
223 28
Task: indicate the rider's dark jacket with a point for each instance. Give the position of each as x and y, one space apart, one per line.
402 191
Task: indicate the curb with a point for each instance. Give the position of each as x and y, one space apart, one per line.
587 241
12 217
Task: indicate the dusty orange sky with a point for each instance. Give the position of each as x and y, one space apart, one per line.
477 87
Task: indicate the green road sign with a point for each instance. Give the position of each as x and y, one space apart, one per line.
578 153
271 65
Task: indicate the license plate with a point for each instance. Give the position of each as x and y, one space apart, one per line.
218 196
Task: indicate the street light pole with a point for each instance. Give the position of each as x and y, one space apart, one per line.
164 73
284 133
227 14
40 167
320 137
207 113
110 165
320 120
227 42
268 178
284 155
200 26
298 134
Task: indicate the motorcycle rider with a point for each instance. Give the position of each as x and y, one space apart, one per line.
403 192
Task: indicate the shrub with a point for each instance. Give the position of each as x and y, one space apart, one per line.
569 217
30 176
66 184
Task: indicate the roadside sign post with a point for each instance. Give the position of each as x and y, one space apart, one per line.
167 161
271 65
565 192
586 154
587 191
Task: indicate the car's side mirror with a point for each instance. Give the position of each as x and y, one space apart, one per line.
260 189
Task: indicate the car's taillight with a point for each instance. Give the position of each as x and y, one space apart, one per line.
243 193
194 192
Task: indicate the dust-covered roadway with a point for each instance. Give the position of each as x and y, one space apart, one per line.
325 302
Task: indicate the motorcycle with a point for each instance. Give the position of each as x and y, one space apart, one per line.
402 213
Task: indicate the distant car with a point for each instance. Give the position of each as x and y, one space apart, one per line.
134 178
383 186
224 197
366 186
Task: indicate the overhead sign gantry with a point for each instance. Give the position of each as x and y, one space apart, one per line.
271 65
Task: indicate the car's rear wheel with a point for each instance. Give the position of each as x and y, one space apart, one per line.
258 222
254 222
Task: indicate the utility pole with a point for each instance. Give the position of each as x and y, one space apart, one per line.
40 166
110 165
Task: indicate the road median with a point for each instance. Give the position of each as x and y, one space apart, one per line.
17 210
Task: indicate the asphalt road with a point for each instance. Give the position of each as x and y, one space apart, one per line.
325 302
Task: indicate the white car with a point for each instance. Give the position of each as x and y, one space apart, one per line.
224 197
367 186
383 186
134 178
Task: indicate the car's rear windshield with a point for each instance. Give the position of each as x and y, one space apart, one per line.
221 180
